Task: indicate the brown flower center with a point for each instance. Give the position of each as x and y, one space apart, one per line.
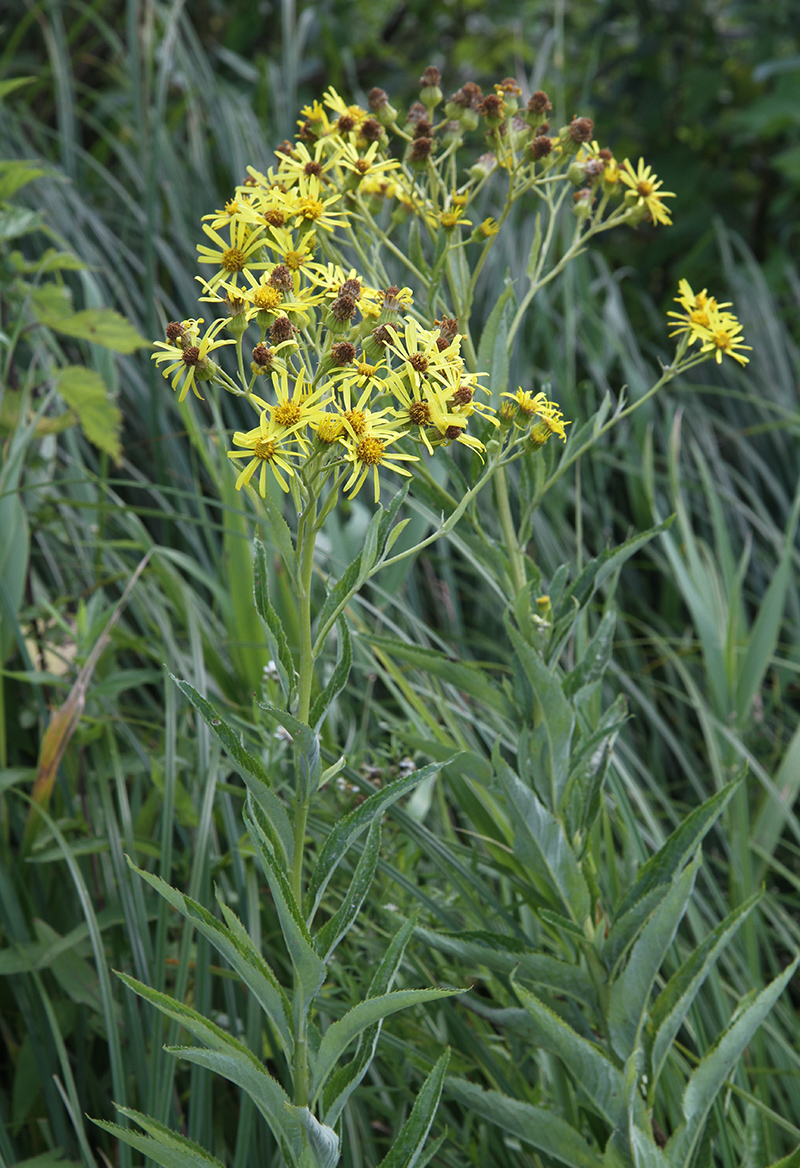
191 355
418 361
420 413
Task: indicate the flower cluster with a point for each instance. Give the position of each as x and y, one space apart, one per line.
705 320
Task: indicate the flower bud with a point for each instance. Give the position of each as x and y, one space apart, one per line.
582 203
379 104
483 167
539 105
430 94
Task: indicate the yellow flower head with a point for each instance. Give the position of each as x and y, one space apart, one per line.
545 415
266 446
186 360
647 186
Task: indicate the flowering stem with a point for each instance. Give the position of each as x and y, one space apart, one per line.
516 556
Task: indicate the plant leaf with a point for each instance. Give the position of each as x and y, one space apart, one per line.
338 679
161 1144
279 645
408 1143
535 1126
323 1140
85 393
307 746
339 924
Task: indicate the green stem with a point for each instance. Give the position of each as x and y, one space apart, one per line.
516 556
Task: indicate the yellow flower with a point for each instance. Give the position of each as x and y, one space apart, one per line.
297 406
295 253
647 186
267 445
451 218
369 451
700 312
419 352
723 335
244 244
488 228
312 210
545 415
188 360
366 165
348 117
302 164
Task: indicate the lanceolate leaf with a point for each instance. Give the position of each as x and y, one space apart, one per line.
557 714
323 1140
541 841
408 1143
161 1144
630 993
340 1034
593 1071
238 949
228 1057
309 968
468 678
709 1077
504 954
673 1003
682 844
278 642
348 829
534 1125
307 745
338 679
343 1082
333 930
225 733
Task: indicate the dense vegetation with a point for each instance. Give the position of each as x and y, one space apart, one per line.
142 118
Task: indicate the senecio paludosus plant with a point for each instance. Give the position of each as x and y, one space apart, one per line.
343 279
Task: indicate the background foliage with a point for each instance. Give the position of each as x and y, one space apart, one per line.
142 116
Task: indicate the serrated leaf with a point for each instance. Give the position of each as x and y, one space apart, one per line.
101 326
85 393
710 1076
536 1126
673 1003
338 679
505 955
236 946
245 761
593 1072
630 993
306 746
161 1144
341 1033
228 1057
343 1082
17 221
592 666
323 1141
410 1140
470 679
340 923
279 645
626 928
346 830
558 716
682 844
540 840
310 970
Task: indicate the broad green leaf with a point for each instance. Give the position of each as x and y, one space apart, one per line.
507 955
493 355
306 745
17 221
410 1140
710 1076
85 393
673 1003
338 679
558 717
533 1125
346 830
161 1145
343 1082
341 1033
16 174
630 993
236 946
471 679
682 844
309 968
101 326
592 1070
323 1141
228 1057
540 841
340 923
